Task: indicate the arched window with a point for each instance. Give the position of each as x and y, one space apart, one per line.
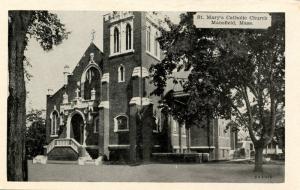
174 125
91 81
121 123
54 123
148 39
96 125
128 37
116 40
156 46
121 74
183 129
156 128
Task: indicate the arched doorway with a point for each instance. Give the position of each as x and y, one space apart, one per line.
77 125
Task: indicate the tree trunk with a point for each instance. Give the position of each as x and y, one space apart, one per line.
16 111
258 159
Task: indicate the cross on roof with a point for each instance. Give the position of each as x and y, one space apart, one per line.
93 35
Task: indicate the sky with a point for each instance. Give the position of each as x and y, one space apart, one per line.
47 67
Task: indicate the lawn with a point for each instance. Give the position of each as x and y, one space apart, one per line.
155 172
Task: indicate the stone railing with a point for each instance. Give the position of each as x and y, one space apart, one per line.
64 143
78 103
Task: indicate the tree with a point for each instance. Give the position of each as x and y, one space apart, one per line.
46 28
35 134
235 74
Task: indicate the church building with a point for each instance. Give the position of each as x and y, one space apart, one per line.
104 108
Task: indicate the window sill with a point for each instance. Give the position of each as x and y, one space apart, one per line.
118 146
53 135
121 53
176 134
155 57
120 131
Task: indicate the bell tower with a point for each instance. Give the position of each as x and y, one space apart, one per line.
130 48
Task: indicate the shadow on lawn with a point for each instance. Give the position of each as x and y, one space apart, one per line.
241 161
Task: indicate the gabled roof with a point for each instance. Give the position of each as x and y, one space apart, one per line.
98 55
93 46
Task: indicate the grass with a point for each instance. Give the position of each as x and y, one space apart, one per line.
155 172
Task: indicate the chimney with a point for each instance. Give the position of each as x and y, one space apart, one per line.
66 74
65 98
50 91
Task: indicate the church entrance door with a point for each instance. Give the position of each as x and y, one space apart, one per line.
78 127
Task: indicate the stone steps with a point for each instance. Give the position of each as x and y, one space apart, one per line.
63 153
89 162
75 162
64 158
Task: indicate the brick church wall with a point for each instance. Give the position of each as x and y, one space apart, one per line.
54 100
73 79
119 95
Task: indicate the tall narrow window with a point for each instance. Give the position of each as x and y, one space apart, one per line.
148 38
116 40
128 37
96 125
156 45
251 146
174 125
156 128
183 129
121 74
54 123
91 81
